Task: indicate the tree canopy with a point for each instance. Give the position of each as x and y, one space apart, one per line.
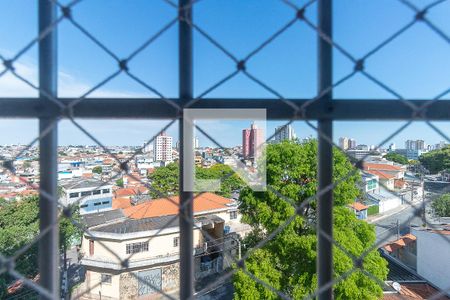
288 261
97 169
441 206
19 225
436 160
119 182
164 180
396 157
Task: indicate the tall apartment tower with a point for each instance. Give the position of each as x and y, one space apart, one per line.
415 145
162 148
252 141
343 143
351 143
285 132
196 143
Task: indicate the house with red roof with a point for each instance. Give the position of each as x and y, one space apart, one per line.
397 171
146 235
359 209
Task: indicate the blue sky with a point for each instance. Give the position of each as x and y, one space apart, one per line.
416 65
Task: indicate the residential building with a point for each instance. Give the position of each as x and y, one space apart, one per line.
196 143
162 148
403 282
385 179
392 147
433 255
358 154
147 147
384 199
398 171
445 175
285 132
415 145
252 142
343 143
146 236
370 182
351 143
410 154
362 147
360 210
91 195
404 249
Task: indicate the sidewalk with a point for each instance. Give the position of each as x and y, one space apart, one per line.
378 217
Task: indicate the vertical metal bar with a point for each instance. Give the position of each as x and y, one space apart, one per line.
186 94
325 157
48 208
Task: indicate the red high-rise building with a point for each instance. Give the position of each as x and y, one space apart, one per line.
252 140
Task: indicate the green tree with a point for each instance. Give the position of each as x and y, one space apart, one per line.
441 206
164 180
436 160
119 182
97 169
396 157
19 225
288 261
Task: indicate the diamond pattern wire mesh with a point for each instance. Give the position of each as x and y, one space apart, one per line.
418 112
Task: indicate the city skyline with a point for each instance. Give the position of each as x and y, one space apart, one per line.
228 133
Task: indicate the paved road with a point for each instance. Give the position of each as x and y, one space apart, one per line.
386 228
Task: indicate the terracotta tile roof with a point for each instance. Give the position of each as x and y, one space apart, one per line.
381 167
399 183
415 291
28 192
358 206
380 174
121 202
400 243
108 161
130 191
164 207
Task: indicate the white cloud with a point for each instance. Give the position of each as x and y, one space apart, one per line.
68 85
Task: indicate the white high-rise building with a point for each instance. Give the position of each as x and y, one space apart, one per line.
415 145
285 132
147 148
162 148
343 143
196 143
351 143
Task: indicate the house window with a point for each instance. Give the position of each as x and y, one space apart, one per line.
97 203
74 195
176 241
136 247
105 191
106 279
233 215
83 205
84 194
105 202
96 192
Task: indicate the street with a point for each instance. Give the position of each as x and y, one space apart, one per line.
409 215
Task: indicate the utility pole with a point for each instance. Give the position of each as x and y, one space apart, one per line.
424 213
398 229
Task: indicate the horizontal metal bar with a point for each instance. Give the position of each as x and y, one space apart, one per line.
145 108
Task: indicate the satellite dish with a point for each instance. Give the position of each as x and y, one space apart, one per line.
396 286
